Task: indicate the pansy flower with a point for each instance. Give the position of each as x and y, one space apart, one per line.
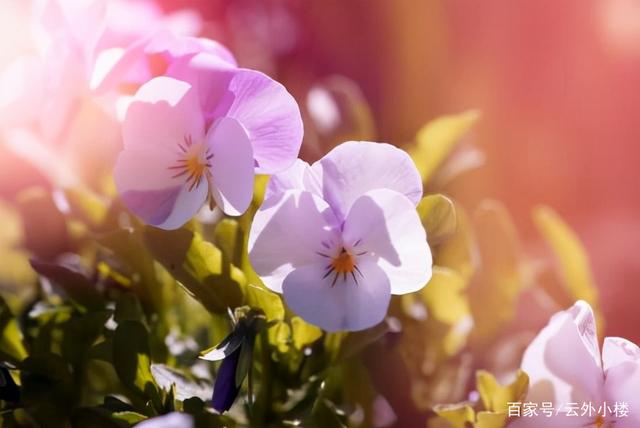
185 146
340 237
585 387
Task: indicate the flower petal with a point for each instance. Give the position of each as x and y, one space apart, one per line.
563 361
294 177
149 190
264 107
231 166
271 116
616 351
385 224
163 113
170 420
353 168
621 360
343 305
287 232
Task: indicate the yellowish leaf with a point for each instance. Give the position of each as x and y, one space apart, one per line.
570 254
438 216
496 397
436 140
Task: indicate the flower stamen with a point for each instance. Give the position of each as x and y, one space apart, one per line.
343 264
194 162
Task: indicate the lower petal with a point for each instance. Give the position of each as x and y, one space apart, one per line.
386 226
287 232
338 303
149 190
232 166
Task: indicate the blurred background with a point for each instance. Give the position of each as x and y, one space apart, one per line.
556 84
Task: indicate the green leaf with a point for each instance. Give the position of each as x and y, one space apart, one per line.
304 334
186 386
199 266
229 237
269 302
245 361
75 284
46 379
438 216
446 303
436 140
131 418
97 417
495 397
491 420
458 415
128 246
128 309
459 252
80 333
571 256
11 346
131 359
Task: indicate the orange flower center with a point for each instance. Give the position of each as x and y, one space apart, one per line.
344 263
599 423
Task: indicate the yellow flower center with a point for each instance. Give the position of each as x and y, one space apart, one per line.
193 163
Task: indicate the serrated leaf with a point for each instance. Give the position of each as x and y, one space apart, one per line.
436 140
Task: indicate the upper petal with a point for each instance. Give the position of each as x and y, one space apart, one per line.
353 168
341 305
163 113
563 361
297 176
287 232
264 107
385 225
231 166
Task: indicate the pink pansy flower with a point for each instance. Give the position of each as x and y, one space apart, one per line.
586 388
46 106
340 237
184 146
